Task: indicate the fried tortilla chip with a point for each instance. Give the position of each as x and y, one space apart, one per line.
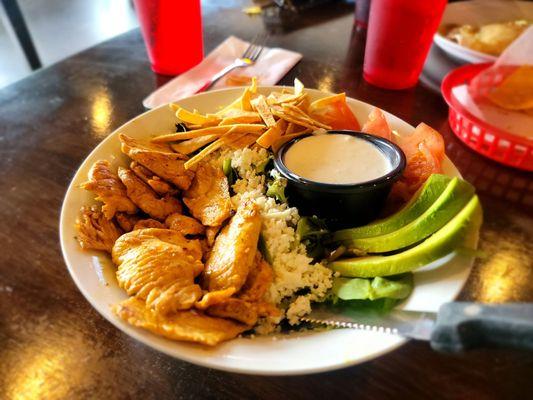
516 90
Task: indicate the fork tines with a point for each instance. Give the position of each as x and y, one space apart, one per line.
254 50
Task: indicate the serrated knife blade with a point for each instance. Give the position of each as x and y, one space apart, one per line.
458 326
409 324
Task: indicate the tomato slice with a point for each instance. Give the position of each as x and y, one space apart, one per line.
423 134
424 151
334 111
377 125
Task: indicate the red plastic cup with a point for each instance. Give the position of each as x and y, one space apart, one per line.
172 32
398 40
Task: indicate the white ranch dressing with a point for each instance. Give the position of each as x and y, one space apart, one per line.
336 158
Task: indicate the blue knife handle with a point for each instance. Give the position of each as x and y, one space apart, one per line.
461 326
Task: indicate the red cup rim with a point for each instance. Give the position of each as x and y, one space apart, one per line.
462 75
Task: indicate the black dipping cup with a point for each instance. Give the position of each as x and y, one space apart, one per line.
342 205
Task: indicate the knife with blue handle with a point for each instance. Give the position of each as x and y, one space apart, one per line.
458 326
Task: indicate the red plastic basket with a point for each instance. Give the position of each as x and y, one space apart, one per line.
492 142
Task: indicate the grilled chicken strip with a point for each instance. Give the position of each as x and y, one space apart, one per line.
145 198
234 251
258 280
190 325
208 197
236 309
127 221
243 311
108 189
149 223
159 267
95 231
164 163
184 224
156 183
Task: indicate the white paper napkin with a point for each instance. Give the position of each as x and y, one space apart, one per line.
271 66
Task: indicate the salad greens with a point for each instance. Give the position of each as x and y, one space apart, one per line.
276 189
230 173
261 245
311 231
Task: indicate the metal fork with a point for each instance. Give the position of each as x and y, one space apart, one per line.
249 57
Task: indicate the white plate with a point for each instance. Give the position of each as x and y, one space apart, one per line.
478 13
295 353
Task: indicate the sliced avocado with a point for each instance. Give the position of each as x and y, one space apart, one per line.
419 203
443 242
448 204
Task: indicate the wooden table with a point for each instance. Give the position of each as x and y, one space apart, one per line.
53 345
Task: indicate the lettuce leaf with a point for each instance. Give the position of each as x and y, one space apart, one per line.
372 289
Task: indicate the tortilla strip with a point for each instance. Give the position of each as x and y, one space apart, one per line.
261 106
324 101
194 117
244 141
191 145
272 134
286 98
294 128
299 113
232 135
241 117
243 102
298 87
214 130
291 118
284 139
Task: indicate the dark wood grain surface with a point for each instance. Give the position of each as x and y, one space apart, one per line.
53 345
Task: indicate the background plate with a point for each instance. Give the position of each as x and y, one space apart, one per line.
478 13
295 353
